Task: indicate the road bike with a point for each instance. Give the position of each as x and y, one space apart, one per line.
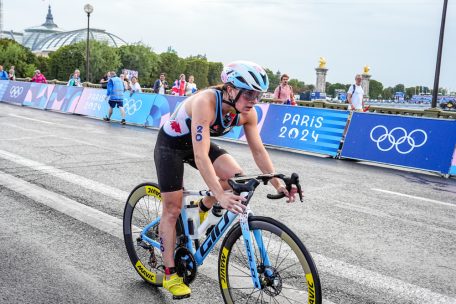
260 259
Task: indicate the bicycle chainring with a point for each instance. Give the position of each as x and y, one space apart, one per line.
185 264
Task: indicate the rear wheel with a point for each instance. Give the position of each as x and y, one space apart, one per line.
289 277
144 205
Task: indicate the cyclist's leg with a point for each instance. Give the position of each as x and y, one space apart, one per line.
225 167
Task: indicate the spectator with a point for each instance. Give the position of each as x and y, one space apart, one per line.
160 85
115 95
190 88
3 74
135 87
355 95
12 73
75 79
104 80
125 81
179 86
283 94
38 77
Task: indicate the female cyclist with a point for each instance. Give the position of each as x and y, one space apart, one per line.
186 138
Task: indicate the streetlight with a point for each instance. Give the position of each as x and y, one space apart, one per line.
439 56
88 9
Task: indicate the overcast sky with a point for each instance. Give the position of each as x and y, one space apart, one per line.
398 39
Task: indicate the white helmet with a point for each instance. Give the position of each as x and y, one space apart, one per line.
245 75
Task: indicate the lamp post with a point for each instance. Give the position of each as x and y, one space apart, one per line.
439 57
88 9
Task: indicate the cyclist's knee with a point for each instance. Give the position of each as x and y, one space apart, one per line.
231 172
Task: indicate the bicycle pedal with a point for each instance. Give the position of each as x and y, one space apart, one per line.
181 297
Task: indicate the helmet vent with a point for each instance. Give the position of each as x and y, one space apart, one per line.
241 79
254 77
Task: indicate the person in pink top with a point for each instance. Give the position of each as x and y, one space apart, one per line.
38 77
283 94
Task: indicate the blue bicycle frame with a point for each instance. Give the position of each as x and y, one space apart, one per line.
216 233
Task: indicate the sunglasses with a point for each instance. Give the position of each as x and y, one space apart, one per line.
251 95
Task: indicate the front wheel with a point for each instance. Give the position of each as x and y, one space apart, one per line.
286 270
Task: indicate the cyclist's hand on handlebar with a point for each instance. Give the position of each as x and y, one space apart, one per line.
232 202
290 194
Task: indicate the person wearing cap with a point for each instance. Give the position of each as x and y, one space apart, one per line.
185 137
38 77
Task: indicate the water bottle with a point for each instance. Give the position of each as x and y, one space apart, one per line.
193 219
212 218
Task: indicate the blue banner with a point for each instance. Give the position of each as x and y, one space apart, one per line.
3 86
38 95
137 108
16 91
162 107
405 141
301 128
64 98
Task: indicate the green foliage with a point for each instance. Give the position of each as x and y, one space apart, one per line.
274 79
103 58
14 54
331 90
171 64
375 89
409 92
65 60
213 74
199 68
388 93
142 59
298 86
42 64
399 88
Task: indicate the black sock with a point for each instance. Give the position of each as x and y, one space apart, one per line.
202 206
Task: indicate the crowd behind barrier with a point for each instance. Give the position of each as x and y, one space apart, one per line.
407 141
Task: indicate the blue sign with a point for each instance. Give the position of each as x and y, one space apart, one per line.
3 86
137 108
64 98
38 95
16 92
303 128
405 141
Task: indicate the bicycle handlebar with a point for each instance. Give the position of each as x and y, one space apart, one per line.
265 178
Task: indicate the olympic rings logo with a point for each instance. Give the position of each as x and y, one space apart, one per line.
398 138
132 106
15 91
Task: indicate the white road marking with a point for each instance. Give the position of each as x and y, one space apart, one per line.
415 197
113 226
66 176
37 120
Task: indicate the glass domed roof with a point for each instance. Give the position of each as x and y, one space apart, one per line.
58 40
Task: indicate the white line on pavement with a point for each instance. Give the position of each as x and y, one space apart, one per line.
415 197
66 176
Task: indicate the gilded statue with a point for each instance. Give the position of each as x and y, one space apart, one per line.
366 69
322 63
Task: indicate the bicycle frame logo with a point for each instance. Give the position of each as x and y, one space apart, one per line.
398 138
15 91
132 106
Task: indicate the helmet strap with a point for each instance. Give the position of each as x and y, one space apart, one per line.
232 102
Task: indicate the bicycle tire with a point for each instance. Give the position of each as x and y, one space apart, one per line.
293 264
143 205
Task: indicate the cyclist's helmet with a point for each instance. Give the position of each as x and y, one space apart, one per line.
245 75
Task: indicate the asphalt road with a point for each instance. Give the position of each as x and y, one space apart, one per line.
377 234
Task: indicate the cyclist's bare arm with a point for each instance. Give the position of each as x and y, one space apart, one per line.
203 110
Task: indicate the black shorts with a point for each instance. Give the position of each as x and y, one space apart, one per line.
170 159
116 103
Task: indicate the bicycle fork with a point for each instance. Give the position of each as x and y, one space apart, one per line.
248 242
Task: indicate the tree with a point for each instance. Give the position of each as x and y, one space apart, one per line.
375 89
213 74
274 79
409 92
331 90
140 58
14 54
171 65
199 68
388 93
399 88
66 59
298 86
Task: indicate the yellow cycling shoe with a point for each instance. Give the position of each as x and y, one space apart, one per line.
175 285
